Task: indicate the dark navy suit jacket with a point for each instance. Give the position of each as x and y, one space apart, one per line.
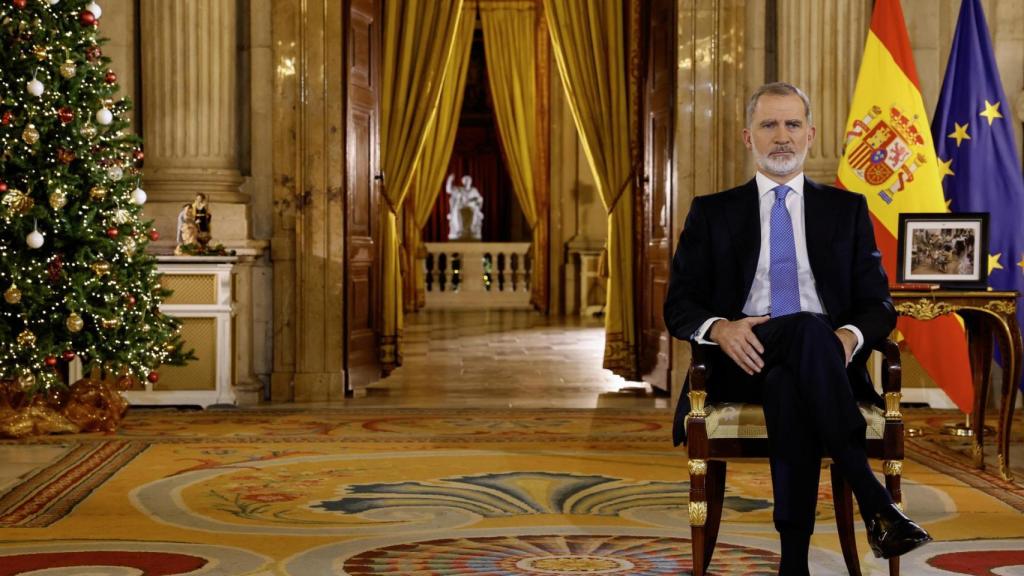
715 261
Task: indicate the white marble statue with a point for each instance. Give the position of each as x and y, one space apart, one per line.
465 210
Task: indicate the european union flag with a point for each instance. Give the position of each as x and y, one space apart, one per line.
977 153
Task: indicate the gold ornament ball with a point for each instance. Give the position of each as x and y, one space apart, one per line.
27 381
110 323
169 347
89 131
100 267
67 69
40 51
12 295
26 339
30 135
129 246
18 202
98 193
58 199
74 323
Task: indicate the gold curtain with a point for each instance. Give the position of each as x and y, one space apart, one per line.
440 139
589 40
418 40
509 45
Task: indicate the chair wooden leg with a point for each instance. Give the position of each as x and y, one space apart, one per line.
716 498
893 475
698 512
842 501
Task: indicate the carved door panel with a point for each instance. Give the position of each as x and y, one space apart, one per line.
362 300
657 192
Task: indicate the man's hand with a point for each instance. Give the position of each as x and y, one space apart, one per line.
737 340
849 340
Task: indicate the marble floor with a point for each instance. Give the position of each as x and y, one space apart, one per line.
505 358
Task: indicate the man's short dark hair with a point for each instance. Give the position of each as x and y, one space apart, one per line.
778 89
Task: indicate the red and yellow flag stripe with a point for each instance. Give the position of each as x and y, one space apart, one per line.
890 158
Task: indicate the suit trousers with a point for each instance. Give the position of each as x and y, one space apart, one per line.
810 411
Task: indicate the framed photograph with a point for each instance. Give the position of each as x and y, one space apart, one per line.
950 250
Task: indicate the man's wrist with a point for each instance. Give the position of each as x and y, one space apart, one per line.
858 337
703 334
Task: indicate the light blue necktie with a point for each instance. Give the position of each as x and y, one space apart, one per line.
785 288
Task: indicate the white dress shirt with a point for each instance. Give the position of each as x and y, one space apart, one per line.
758 301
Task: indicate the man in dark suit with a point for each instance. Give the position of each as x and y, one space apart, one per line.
782 276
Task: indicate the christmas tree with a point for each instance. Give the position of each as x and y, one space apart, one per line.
74 272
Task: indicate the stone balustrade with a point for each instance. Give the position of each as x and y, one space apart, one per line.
477 275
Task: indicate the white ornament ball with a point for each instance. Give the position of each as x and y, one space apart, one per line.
104 116
139 196
54 2
95 9
35 87
34 239
115 173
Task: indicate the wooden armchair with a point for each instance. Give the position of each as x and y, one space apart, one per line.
719 432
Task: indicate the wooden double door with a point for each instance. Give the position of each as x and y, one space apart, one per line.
656 191
362 194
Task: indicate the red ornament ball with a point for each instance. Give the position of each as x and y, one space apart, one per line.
51 361
87 18
154 235
65 156
130 301
111 77
3 187
53 269
153 376
65 114
19 4
93 53
68 355
138 155
8 116
112 232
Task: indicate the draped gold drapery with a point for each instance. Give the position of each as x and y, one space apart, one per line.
418 40
589 40
509 43
441 132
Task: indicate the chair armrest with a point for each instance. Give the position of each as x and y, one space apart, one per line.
698 367
892 369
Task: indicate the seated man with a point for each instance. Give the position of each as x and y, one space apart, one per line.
783 275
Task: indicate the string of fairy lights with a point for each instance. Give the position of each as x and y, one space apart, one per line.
75 277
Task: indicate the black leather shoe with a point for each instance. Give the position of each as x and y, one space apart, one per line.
891 533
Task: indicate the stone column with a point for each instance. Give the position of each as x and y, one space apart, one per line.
190 113
819 47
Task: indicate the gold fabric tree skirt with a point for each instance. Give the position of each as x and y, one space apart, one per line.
87 406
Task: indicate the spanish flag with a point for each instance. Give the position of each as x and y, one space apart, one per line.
890 158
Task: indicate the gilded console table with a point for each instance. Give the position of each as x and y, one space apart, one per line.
987 314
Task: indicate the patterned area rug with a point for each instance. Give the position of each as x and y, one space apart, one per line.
407 492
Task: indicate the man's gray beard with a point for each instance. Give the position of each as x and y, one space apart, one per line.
779 167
